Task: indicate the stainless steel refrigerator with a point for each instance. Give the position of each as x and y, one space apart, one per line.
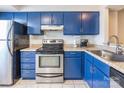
13 37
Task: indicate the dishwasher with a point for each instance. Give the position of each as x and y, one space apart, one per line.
117 76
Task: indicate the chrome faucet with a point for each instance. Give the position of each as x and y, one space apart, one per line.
118 47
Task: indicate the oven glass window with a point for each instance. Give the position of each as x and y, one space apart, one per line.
49 62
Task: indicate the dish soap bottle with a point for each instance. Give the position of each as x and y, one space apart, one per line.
74 43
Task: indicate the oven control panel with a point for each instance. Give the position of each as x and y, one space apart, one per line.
52 41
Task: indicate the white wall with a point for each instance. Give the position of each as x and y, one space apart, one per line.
95 39
59 35
121 26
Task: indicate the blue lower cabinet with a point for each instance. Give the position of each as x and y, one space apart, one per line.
72 68
100 80
96 73
28 74
88 73
27 64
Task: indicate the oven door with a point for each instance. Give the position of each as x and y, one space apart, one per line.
49 63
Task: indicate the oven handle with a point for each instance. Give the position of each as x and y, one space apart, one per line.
49 76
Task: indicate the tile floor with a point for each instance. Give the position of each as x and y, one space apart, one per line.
66 84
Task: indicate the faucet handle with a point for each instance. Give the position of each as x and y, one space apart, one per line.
119 50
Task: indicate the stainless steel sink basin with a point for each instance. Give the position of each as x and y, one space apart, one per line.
119 58
102 53
108 55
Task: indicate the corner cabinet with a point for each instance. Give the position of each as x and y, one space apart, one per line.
27 64
96 73
90 23
72 23
72 65
34 23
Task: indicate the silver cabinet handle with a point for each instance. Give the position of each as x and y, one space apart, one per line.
106 78
91 70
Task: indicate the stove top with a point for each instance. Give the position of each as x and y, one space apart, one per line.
54 46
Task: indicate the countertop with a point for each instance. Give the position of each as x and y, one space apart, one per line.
117 65
32 48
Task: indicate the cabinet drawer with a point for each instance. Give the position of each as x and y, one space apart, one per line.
89 58
72 54
28 60
28 54
28 74
27 66
102 66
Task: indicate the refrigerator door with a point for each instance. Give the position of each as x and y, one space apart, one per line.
6 63
5 26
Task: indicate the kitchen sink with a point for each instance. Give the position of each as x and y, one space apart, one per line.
109 55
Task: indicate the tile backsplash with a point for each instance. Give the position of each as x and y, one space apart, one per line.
68 39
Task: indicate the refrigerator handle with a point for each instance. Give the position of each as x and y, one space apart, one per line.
9 39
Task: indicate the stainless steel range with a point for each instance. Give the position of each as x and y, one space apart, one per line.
49 61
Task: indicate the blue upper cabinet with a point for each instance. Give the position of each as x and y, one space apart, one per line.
72 23
20 17
34 23
57 18
6 15
51 18
90 23
46 18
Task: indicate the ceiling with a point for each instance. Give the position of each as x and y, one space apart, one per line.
4 8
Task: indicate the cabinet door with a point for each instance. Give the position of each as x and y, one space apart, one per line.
20 17
88 73
72 68
90 23
46 18
6 15
57 18
99 79
34 23
72 23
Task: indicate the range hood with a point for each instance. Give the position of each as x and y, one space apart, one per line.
52 27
